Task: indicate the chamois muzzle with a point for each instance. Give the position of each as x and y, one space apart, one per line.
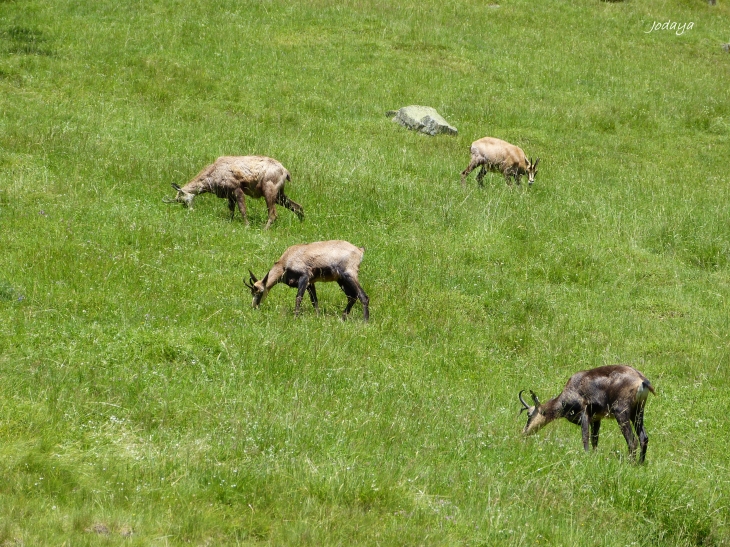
531 170
181 197
256 292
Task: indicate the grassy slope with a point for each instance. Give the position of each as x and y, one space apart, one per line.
142 393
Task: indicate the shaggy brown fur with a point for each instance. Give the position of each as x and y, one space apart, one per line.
616 391
234 177
302 266
498 155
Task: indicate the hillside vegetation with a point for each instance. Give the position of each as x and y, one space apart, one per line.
143 401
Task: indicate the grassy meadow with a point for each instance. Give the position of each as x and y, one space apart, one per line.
143 401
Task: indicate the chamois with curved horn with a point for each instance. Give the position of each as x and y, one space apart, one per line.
498 155
235 177
302 266
616 391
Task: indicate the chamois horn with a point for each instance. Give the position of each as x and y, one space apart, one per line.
173 200
525 406
250 282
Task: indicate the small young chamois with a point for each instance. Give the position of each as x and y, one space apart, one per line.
590 395
498 155
234 177
302 266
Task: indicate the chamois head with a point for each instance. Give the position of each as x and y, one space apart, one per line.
257 287
535 418
531 170
181 197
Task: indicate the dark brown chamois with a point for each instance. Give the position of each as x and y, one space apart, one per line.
235 177
302 266
616 391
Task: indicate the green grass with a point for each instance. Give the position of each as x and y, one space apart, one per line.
144 402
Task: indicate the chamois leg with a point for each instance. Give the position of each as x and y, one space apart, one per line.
360 294
624 422
480 176
303 284
232 206
473 164
241 200
351 293
365 301
595 426
313 297
585 425
354 292
639 426
293 206
271 205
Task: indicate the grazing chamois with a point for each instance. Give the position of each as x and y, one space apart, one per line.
302 266
590 395
498 155
234 177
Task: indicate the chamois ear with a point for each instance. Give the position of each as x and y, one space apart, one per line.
176 187
253 277
534 398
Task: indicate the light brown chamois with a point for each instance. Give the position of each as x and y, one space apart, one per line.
616 391
498 155
234 177
302 266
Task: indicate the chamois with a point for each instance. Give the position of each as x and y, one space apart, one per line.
302 266
590 395
234 177
498 155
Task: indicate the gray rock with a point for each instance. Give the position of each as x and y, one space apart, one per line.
422 118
